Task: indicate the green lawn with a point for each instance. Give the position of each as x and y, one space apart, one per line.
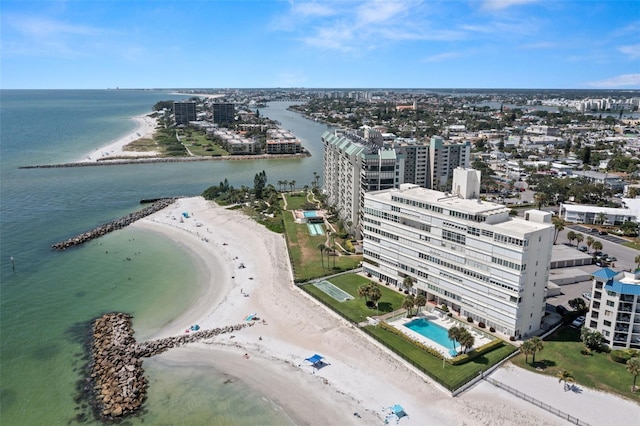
356 310
295 201
199 145
450 376
306 260
562 351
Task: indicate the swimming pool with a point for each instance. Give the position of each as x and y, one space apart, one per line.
431 331
310 214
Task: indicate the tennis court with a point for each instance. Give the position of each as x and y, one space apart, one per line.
333 291
315 229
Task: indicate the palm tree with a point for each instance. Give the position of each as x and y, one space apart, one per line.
421 301
408 282
365 291
466 339
541 199
454 334
571 236
579 239
321 247
637 260
590 242
285 183
536 345
600 218
558 224
375 294
566 377
527 349
633 367
280 182
293 185
408 303
597 245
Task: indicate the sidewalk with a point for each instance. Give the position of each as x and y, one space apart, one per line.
590 406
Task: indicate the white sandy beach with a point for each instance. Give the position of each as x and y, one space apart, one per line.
361 377
145 127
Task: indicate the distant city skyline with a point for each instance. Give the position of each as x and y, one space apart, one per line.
526 44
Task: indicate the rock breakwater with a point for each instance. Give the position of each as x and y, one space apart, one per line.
116 373
114 225
116 376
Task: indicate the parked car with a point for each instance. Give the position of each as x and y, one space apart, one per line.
611 258
587 295
601 263
562 310
594 229
578 322
602 232
583 248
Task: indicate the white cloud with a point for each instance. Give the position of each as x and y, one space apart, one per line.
504 4
379 12
632 51
442 56
311 9
540 45
620 81
35 26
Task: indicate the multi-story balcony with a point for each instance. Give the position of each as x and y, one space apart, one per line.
622 327
619 337
627 298
623 318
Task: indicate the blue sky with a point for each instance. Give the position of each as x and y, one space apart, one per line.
320 44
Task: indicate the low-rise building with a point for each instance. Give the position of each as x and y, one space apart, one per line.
590 214
615 307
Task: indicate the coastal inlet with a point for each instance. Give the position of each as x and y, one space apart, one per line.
114 225
116 384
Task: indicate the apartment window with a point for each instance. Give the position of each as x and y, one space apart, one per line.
607 323
610 303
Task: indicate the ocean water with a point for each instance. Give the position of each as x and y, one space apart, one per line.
47 298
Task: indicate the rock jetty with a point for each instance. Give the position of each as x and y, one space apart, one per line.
116 376
116 373
114 225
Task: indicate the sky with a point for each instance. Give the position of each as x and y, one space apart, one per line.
552 44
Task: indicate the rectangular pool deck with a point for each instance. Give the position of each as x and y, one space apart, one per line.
444 322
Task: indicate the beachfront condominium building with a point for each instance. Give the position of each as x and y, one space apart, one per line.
468 254
431 165
223 113
615 307
352 166
184 112
356 162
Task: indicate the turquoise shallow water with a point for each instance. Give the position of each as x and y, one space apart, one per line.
49 298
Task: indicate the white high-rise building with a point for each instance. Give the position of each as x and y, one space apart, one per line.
462 252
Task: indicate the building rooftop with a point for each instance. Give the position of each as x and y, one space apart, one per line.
473 207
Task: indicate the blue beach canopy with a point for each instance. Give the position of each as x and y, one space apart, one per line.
314 359
398 411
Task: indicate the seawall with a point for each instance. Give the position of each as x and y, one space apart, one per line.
166 160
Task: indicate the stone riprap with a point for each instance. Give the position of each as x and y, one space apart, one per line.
115 368
114 225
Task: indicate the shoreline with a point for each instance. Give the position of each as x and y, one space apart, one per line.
361 377
145 127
